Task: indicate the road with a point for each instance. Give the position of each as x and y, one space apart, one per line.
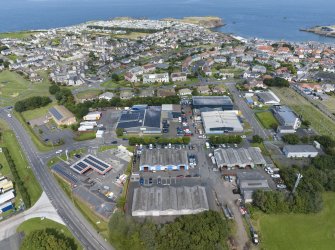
247 112
74 220
42 208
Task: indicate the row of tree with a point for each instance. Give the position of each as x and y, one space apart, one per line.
32 103
17 180
276 82
207 230
146 140
222 139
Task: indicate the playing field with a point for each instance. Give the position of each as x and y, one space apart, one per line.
320 122
267 119
300 231
13 87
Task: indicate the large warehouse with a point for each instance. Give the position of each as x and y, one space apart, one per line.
248 182
169 201
163 159
219 122
209 103
239 157
91 162
300 151
268 98
286 116
141 118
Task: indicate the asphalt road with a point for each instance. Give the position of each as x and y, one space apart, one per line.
74 220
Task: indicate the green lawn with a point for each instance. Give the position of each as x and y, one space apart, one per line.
18 35
85 136
300 231
319 121
106 147
37 113
87 94
38 224
14 87
266 118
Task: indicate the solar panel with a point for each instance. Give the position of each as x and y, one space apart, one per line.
94 165
152 119
82 165
99 162
56 114
62 172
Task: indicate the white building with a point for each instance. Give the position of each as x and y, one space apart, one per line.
219 122
153 78
300 151
106 96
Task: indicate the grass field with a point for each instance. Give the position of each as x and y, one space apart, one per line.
85 136
329 103
13 87
37 113
320 122
38 224
266 118
18 35
300 231
132 35
26 175
87 94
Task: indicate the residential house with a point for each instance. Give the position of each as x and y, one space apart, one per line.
177 77
184 92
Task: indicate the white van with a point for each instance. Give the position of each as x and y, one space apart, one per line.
150 146
207 145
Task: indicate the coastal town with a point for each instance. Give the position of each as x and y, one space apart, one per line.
137 118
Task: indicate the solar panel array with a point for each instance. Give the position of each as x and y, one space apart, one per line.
58 169
90 162
56 114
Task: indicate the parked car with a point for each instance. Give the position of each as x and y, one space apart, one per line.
281 186
275 176
141 181
114 142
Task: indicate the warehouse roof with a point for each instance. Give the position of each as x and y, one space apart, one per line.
285 113
155 201
240 156
300 149
163 157
211 100
224 119
268 97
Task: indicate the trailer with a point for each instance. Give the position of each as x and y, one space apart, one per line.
89 123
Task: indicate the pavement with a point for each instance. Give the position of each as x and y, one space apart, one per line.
72 217
42 208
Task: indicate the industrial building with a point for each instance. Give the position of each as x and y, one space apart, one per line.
163 159
286 117
171 111
169 201
8 196
219 122
300 151
239 157
141 119
210 103
91 162
268 98
5 185
248 182
62 116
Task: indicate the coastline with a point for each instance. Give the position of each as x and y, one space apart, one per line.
326 31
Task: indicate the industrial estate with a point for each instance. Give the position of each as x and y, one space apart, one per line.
135 123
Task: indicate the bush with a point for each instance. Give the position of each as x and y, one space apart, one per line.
257 139
276 82
32 103
291 139
53 89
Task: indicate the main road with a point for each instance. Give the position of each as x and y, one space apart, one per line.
74 220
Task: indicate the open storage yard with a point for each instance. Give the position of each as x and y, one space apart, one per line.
300 231
301 106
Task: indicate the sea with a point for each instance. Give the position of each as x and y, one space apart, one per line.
265 19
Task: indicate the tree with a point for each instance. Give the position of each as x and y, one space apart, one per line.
306 123
53 89
257 139
119 132
291 139
47 239
115 77
276 82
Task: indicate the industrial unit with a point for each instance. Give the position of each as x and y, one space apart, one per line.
62 116
91 162
239 157
210 103
268 98
300 151
163 159
8 196
92 116
248 182
141 119
169 201
171 111
219 122
286 117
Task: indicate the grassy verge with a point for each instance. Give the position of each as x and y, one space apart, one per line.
262 147
106 147
38 224
24 171
72 153
87 94
299 231
38 143
36 113
267 119
85 136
